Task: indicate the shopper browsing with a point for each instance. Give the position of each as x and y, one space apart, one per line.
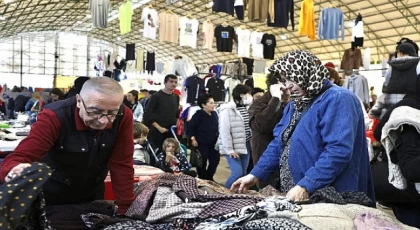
320 141
235 132
80 139
203 129
162 112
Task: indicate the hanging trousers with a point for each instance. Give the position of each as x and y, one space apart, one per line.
211 155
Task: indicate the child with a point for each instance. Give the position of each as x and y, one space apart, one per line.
141 155
171 160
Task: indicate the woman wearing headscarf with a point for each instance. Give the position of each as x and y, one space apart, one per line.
320 141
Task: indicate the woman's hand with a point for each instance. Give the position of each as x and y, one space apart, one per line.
298 194
244 183
234 155
194 142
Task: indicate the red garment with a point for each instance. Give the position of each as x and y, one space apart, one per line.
45 132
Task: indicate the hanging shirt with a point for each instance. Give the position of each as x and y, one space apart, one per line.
168 27
99 10
357 34
366 59
283 13
224 38
140 60
151 22
269 43
216 88
125 15
257 47
226 6
195 88
331 20
307 19
208 35
188 29
244 42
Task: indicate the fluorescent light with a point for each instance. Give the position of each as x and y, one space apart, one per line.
2 18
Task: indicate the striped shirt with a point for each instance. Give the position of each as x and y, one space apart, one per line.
245 117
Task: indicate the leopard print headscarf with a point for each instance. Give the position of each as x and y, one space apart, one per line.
306 70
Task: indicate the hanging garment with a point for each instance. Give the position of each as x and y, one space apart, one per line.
188 29
257 46
22 204
195 88
216 88
257 10
130 52
226 6
150 62
366 58
283 13
307 19
259 66
125 15
240 9
208 35
243 41
99 10
249 65
357 33
150 19
160 67
330 22
168 27
352 59
358 84
183 67
269 43
224 38
131 67
140 60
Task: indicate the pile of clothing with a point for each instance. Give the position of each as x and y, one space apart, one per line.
182 202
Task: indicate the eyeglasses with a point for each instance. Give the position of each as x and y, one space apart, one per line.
99 115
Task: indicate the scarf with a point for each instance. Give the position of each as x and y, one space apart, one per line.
305 69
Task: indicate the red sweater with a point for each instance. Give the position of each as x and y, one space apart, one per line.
45 132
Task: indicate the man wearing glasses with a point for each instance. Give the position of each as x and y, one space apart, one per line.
79 138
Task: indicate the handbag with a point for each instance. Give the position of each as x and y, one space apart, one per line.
196 159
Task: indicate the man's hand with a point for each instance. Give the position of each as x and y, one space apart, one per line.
297 194
244 183
16 171
162 130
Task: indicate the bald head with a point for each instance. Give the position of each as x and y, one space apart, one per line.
102 85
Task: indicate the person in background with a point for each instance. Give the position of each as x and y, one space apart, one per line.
235 132
31 102
265 113
134 105
162 112
313 150
145 100
11 106
63 138
373 99
2 100
143 93
55 95
203 129
172 160
77 86
141 155
257 93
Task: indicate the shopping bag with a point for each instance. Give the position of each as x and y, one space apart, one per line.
196 159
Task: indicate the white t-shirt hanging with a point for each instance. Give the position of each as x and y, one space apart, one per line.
243 39
188 29
239 3
357 30
257 47
151 22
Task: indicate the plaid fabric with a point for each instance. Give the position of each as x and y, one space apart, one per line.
168 206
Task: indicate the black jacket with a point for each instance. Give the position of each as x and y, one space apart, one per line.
204 127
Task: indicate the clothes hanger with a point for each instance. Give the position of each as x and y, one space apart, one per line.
189 16
242 27
258 30
169 11
150 6
225 23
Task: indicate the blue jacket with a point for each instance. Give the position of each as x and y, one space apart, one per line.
328 146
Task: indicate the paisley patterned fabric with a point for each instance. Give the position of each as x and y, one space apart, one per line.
274 224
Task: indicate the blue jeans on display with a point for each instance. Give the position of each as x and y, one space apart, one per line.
238 166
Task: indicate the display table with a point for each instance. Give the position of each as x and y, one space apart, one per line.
141 173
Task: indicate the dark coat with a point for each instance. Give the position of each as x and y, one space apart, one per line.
264 113
204 127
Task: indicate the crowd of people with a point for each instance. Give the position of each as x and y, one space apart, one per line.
304 134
